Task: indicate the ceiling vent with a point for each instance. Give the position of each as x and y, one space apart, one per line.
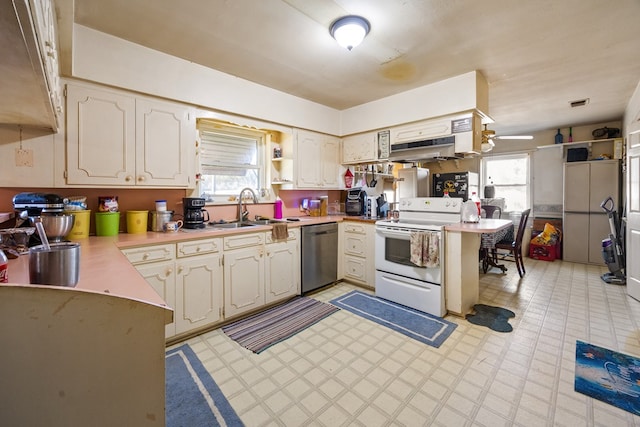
579 103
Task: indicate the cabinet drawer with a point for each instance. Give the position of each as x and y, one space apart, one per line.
352 227
150 254
355 268
355 244
293 234
199 247
243 240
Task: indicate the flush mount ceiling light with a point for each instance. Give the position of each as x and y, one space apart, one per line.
349 31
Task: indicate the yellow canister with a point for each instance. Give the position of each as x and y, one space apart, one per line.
137 221
81 222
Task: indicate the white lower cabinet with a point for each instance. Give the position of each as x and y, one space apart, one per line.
243 273
282 267
198 284
359 253
190 283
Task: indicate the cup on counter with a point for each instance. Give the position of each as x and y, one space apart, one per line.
172 226
137 222
107 223
59 265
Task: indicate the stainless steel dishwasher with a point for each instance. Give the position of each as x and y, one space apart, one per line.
319 255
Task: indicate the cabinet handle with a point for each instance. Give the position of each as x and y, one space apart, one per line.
128 178
180 269
145 256
169 271
140 178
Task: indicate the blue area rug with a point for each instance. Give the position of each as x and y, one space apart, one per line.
420 326
192 397
609 376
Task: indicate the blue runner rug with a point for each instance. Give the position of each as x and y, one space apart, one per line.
192 397
609 376
420 326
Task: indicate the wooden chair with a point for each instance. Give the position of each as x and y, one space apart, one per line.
515 247
490 210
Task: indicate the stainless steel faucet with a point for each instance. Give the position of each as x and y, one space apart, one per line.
243 214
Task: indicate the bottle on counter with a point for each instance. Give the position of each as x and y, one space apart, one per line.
4 263
476 200
277 208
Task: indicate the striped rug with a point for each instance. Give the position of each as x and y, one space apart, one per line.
262 330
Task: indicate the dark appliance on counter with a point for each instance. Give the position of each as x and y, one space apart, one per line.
195 215
356 202
28 205
457 184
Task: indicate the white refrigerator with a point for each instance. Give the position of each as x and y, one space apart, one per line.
413 182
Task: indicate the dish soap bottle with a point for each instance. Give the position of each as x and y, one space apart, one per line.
559 137
277 208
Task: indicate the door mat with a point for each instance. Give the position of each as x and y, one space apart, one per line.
192 396
609 376
420 326
495 318
262 330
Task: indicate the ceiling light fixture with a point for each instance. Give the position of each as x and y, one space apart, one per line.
349 31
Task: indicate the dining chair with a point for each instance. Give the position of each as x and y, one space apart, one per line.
490 210
514 247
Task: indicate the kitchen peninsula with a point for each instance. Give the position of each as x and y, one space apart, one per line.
462 274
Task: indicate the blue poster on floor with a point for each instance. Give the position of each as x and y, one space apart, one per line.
609 376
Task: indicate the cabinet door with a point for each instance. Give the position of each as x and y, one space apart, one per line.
355 268
198 292
576 187
165 144
309 158
100 137
603 182
599 230
282 270
359 148
355 244
243 280
331 163
162 278
575 237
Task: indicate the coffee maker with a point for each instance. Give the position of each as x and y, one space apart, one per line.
195 215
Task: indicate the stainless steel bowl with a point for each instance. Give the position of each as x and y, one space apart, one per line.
56 227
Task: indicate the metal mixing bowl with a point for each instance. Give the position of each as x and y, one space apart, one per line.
56 227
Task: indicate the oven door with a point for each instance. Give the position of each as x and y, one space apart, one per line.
393 255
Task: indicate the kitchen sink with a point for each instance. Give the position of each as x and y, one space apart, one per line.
232 225
264 221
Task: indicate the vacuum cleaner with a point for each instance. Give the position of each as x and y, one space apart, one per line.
613 250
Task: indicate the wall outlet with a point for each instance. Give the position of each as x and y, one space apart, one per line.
24 157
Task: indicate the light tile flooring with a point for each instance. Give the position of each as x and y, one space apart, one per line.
349 371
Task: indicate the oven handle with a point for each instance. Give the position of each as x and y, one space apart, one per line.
399 233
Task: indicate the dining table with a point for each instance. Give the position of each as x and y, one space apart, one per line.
488 244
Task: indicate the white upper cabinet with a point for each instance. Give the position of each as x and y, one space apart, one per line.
360 148
317 160
116 139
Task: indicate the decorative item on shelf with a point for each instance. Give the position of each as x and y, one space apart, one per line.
277 152
559 137
570 135
605 132
348 178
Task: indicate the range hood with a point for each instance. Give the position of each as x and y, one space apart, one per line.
442 138
424 150
29 72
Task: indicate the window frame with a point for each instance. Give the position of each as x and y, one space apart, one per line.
239 132
484 178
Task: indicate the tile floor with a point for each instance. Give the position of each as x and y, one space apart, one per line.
349 371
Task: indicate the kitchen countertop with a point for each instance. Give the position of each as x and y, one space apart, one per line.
484 226
105 269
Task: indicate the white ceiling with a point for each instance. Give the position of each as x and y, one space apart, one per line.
537 55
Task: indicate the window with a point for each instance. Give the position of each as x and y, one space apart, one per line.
230 160
510 176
